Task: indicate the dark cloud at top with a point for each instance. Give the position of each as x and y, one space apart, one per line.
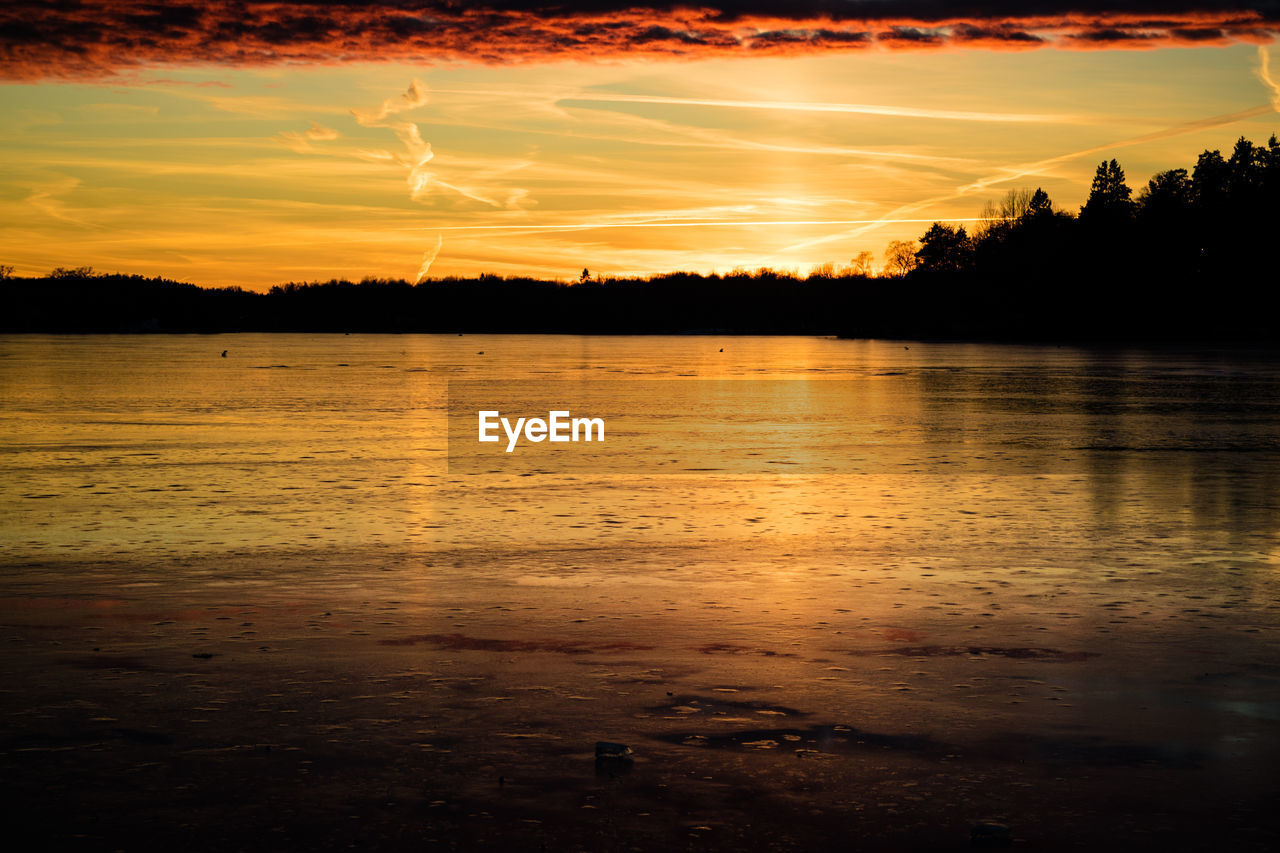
89 40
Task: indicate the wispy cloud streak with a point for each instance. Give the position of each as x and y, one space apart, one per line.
724 223
428 258
300 141
418 151
1012 173
1264 74
667 134
810 107
47 200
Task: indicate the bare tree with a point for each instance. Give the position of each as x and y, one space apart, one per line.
999 216
900 257
70 272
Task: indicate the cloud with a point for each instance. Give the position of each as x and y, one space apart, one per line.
1039 167
807 106
418 151
428 257
1264 74
412 98
300 141
47 200
77 40
418 154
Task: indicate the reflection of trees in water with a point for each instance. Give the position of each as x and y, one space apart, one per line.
1189 444
1172 443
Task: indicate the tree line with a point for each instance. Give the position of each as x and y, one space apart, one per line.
1190 256
1186 259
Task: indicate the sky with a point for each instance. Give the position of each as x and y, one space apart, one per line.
258 143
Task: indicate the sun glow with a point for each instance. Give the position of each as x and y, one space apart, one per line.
257 176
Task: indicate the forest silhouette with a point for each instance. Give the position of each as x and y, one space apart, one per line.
1188 258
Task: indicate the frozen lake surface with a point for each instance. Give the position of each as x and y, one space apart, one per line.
245 602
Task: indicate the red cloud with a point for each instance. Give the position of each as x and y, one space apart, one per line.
86 40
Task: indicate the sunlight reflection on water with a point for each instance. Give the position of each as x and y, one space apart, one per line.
1110 602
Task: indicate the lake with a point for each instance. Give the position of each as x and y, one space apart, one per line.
906 596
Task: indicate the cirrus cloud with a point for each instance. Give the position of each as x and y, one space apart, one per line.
75 39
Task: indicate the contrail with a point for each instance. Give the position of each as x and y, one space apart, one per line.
1014 172
702 138
1264 74
586 226
466 193
45 199
810 107
428 257
1176 130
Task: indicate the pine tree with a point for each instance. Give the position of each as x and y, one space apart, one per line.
1039 205
1110 199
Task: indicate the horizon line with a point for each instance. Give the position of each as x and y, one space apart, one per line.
726 224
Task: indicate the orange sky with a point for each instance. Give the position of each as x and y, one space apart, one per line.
296 148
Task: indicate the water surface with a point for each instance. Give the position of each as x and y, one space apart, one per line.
1057 607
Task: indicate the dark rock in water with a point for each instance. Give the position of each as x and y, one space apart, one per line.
202 655
613 759
990 834
613 751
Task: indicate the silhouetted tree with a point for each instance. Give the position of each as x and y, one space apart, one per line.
1235 201
71 273
999 218
1191 263
1166 197
1271 168
1167 239
1021 233
1039 206
900 257
1244 170
1110 199
944 249
1209 181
